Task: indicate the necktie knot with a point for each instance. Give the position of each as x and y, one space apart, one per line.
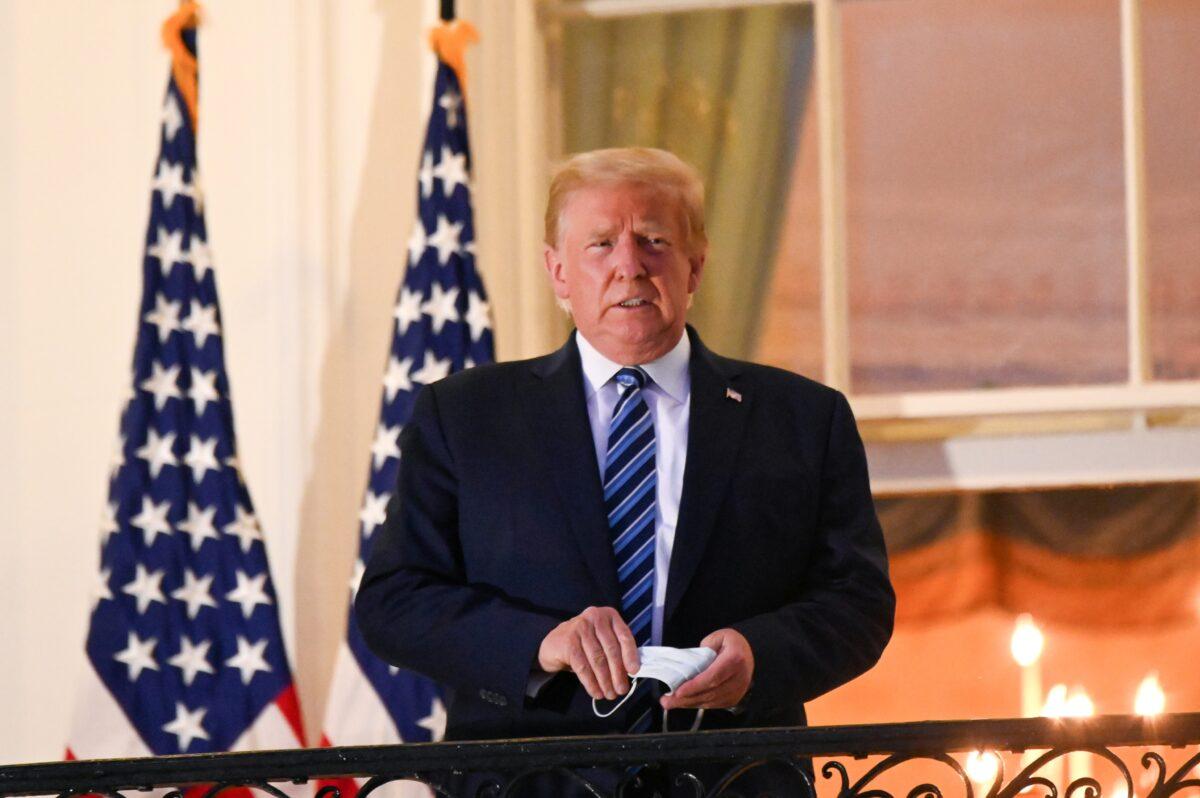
630 377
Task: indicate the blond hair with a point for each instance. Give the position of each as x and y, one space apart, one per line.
641 165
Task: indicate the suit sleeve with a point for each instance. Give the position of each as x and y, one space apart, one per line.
841 622
415 606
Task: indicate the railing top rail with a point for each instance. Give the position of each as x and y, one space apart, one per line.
1005 734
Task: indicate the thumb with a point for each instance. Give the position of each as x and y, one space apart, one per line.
715 641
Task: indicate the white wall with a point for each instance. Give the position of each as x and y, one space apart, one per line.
312 115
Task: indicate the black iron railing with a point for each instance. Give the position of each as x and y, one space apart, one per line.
1074 758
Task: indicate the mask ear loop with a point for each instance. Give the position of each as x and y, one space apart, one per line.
695 723
624 698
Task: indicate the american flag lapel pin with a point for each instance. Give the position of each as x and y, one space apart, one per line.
732 394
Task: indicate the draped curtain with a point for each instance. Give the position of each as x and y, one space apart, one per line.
1084 557
724 91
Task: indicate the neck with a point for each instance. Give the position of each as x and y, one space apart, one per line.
637 354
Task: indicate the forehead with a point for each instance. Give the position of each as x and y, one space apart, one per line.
617 204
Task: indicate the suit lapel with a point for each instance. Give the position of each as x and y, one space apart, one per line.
556 415
715 428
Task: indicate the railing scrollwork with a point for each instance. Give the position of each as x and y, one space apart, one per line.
900 760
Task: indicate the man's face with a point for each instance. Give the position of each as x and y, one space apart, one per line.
623 264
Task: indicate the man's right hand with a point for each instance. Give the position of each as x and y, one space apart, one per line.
597 645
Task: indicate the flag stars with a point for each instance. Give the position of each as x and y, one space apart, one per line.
167 248
152 520
478 315
199 525
100 590
196 192
157 451
445 239
192 659
452 170
168 181
450 102
408 309
163 383
195 592
373 512
249 658
249 593
244 527
435 721
433 369
201 458
118 457
385 444
187 726
425 174
356 578
138 655
418 242
201 322
108 522
198 254
202 390
397 377
172 119
165 317
441 307
146 588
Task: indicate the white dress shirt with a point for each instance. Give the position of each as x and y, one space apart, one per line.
667 394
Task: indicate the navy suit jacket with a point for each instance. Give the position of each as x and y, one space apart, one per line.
497 532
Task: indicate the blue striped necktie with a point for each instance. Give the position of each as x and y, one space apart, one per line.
630 483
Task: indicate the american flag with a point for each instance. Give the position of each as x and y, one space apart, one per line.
442 324
184 651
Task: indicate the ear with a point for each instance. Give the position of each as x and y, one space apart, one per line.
697 268
555 268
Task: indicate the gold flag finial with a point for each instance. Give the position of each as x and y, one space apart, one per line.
449 40
183 63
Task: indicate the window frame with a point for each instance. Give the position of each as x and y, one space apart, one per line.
1132 417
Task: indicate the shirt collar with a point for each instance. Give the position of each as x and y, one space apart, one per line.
669 372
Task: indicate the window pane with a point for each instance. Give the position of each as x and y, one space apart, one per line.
1171 33
790 334
985 193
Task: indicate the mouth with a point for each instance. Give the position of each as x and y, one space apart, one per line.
633 303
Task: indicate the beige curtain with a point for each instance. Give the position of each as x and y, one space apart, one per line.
723 90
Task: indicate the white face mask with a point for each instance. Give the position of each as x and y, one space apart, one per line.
671 666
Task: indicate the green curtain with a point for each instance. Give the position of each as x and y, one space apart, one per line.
724 91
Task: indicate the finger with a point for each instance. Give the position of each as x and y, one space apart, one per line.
725 694
612 652
721 670
597 660
629 646
700 693
583 671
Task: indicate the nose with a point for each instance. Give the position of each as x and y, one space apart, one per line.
627 258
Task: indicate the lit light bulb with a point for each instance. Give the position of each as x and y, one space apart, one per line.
1056 702
982 766
1027 641
1150 699
1079 704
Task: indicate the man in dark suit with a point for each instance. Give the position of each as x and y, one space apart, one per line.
632 488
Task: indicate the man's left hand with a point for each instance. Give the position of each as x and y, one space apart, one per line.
722 684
